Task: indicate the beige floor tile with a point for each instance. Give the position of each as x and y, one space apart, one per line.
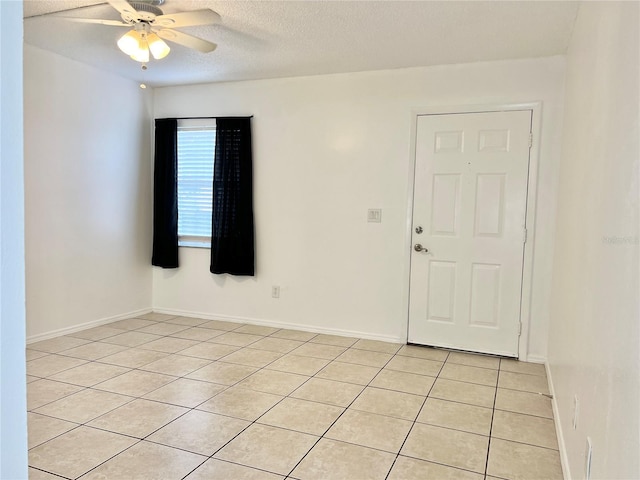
462 392
169 344
178 365
138 418
33 354
414 365
57 344
370 430
236 339
252 357
280 345
209 351
365 357
185 392
268 448
525 429
523 462
213 468
221 325
523 382
35 474
222 373
132 339
348 372
297 364
377 346
328 391
426 353
407 468
389 402
256 330
403 382
147 461
42 428
271 381
43 391
135 383
133 358
447 447
188 321
458 416
89 374
199 432
94 350
302 416
84 406
241 403
474 360
516 366
332 460
298 335
97 333
157 317
318 350
78 451
335 340
524 402
199 334
52 364
163 329
464 373
130 324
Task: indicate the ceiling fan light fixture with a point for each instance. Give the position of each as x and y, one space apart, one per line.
142 54
159 48
130 42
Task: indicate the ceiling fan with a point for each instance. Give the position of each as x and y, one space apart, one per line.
149 26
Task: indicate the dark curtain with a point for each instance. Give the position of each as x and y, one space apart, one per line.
165 194
232 230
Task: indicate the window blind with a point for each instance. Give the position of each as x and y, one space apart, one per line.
196 149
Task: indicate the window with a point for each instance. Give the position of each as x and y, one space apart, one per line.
196 148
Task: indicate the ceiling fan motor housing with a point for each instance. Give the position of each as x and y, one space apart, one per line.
142 11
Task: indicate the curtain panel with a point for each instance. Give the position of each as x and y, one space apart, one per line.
165 194
232 223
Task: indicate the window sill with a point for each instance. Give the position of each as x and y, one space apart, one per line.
194 242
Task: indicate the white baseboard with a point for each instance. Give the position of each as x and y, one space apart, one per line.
564 459
84 326
276 324
535 359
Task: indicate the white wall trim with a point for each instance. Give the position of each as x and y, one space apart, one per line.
86 325
527 272
564 459
286 325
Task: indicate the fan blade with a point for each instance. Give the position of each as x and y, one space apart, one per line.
186 40
187 19
122 6
114 23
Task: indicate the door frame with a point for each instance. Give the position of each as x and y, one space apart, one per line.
532 183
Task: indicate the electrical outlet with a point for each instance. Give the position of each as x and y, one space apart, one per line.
576 409
275 291
374 215
587 460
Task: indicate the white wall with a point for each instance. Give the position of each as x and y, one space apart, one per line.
326 148
594 337
87 191
13 405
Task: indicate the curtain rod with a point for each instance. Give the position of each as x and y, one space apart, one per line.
198 118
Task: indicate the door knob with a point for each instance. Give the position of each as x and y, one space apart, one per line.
419 248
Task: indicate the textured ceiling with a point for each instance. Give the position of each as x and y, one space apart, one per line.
268 39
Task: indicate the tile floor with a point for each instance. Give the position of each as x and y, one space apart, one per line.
161 397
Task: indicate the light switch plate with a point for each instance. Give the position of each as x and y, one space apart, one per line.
374 215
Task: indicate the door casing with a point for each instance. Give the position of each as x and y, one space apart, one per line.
527 267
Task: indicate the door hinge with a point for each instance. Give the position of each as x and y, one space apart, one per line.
524 235
519 328
530 140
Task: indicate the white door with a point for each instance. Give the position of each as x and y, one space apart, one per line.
469 206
